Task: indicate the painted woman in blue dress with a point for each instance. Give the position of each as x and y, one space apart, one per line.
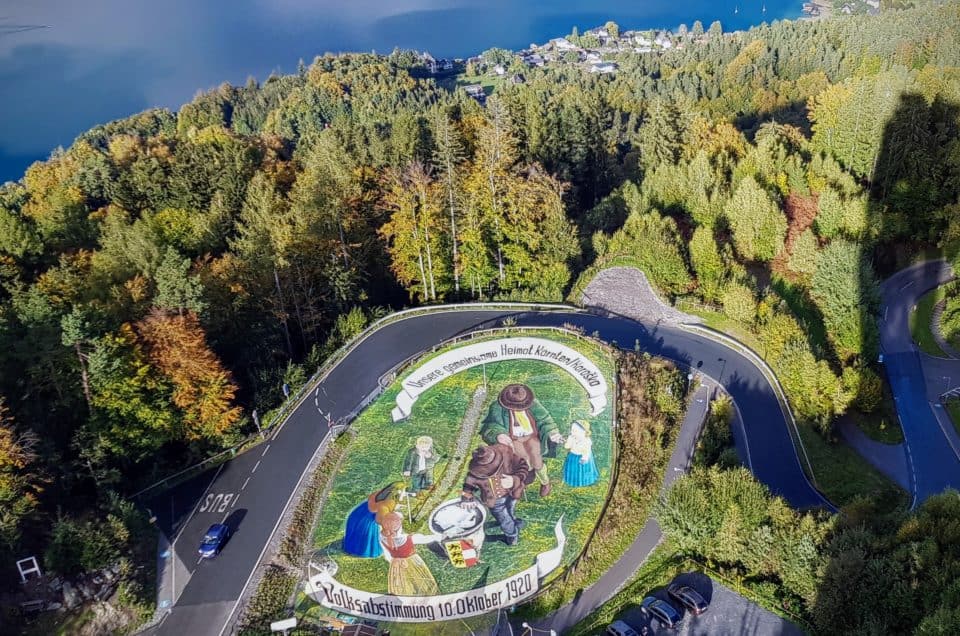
580 469
362 535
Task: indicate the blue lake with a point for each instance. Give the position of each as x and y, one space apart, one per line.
66 66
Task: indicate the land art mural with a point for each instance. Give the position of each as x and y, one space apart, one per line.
474 480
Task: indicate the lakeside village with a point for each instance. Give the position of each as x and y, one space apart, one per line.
595 49
592 50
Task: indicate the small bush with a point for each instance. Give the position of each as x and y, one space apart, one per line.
79 546
739 303
864 387
716 438
270 602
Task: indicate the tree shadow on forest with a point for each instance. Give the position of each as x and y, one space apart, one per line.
793 113
916 173
811 318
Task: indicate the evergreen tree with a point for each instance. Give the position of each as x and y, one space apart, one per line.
845 290
448 155
803 254
659 137
177 289
758 225
707 264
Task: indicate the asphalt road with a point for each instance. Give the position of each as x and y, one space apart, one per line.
251 492
916 380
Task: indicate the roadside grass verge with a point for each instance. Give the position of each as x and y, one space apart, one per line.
953 410
272 600
920 323
660 566
843 475
882 425
719 321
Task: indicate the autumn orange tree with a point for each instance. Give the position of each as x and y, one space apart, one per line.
203 389
19 485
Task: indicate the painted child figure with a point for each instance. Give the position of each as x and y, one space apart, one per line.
580 468
408 574
418 465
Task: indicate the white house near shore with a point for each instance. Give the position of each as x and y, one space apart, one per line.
603 67
563 44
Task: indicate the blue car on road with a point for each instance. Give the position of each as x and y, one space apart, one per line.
214 540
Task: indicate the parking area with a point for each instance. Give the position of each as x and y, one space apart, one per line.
728 614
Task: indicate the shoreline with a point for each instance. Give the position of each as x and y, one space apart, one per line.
824 10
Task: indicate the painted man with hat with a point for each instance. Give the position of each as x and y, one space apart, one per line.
518 420
496 476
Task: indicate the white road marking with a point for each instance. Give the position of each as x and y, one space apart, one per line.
199 501
244 484
885 312
255 467
907 285
173 544
199 560
265 450
295 490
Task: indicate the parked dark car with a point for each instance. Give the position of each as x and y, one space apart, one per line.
689 598
214 540
665 613
620 628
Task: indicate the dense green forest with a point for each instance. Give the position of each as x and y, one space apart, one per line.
864 572
168 272
869 570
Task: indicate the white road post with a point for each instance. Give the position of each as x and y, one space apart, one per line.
256 420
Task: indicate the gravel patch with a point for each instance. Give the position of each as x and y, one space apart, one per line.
626 291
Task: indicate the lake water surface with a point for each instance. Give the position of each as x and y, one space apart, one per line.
67 65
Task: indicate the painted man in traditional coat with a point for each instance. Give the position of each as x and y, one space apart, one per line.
518 420
496 477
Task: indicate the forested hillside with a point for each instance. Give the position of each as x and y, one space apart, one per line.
167 273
